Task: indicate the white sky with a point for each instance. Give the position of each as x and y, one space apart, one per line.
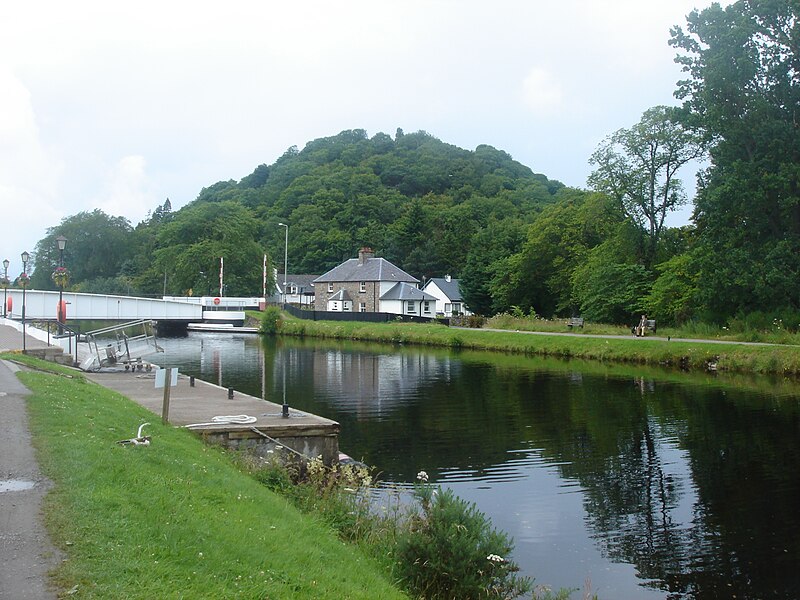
118 106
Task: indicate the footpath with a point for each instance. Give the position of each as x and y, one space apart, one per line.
26 552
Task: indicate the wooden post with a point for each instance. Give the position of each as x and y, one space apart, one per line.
165 405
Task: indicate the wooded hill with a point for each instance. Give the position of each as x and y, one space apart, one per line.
425 205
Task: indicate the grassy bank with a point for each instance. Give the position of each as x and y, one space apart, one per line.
174 519
779 360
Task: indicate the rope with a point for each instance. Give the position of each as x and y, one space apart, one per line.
245 420
274 441
226 420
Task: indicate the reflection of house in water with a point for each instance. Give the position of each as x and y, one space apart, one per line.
371 385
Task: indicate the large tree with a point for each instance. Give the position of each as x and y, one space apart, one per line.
97 247
638 167
743 90
191 245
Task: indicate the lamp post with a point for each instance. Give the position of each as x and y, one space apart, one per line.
62 243
285 259
24 283
6 262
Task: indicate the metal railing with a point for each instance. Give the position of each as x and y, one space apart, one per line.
124 344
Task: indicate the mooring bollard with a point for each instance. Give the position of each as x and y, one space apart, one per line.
191 381
230 393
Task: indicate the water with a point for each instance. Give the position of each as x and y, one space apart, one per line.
649 483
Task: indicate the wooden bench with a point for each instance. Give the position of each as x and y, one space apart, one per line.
651 325
575 322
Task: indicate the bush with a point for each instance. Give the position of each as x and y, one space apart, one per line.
450 550
475 321
271 320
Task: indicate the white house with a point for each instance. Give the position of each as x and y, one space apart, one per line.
408 299
449 301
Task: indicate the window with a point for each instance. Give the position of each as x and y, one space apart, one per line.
426 306
362 287
330 288
412 306
447 307
362 307
293 290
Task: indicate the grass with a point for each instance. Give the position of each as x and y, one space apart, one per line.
780 360
175 519
776 333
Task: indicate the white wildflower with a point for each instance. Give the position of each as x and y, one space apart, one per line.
496 558
422 476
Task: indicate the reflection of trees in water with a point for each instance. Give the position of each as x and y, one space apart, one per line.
727 527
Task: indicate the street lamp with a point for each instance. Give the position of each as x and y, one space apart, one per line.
23 281
6 262
285 259
62 243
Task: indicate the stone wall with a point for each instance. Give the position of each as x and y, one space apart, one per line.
371 297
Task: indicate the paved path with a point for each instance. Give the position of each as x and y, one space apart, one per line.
26 553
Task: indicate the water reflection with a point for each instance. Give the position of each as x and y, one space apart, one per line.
650 483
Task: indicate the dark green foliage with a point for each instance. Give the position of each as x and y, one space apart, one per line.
610 292
271 320
539 277
742 91
97 247
673 298
450 550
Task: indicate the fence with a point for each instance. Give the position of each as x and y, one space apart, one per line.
369 317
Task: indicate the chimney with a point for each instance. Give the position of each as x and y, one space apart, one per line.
447 278
365 253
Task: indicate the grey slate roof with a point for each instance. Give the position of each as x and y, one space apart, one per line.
303 282
342 296
450 288
372 269
407 291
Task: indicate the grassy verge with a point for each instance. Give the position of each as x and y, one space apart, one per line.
781 360
777 333
174 519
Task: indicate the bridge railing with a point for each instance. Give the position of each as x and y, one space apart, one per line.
42 304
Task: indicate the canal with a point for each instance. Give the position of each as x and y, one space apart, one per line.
647 483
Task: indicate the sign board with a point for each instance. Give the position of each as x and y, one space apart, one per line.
161 377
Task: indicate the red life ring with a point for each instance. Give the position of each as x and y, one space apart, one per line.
216 300
61 311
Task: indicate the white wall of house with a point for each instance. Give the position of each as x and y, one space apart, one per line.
340 305
444 305
419 308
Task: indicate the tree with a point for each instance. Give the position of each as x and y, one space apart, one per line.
638 167
539 277
191 245
673 297
489 247
98 244
743 90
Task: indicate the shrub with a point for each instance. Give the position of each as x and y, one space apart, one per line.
271 320
475 321
450 550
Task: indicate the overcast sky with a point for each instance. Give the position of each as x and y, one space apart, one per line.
118 106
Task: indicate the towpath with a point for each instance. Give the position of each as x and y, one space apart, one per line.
26 550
